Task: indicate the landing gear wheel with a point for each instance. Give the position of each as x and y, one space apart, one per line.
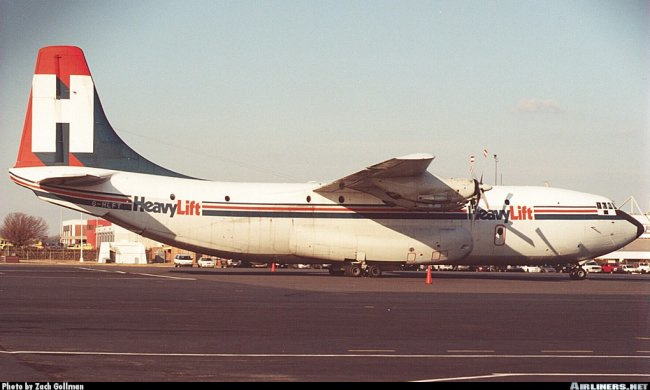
374 271
355 271
578 273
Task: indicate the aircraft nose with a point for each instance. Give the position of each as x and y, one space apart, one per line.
639 226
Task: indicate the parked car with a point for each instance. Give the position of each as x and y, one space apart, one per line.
514 268
442 267
592 267
644 267
183 260
628 269
609 268
206 262
483 268
531 268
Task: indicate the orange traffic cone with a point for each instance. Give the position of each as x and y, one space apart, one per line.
272 267
429 281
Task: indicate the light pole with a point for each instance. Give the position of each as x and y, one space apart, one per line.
81 235
496 162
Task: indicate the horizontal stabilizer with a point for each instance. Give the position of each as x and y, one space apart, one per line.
75 180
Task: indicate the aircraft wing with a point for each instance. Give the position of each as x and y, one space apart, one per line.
411 165
405 182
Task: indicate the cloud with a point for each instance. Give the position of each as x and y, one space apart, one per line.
538 105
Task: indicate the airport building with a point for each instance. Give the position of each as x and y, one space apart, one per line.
77 232
114 243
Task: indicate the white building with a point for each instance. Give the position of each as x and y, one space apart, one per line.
122 253
117 234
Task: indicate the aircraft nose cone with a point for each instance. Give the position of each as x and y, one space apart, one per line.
639 226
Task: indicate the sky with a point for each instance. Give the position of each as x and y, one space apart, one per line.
295 91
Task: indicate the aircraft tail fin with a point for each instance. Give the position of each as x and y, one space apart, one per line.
65 124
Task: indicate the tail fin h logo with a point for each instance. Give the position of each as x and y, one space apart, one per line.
57 118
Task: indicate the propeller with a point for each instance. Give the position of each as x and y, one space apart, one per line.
479 190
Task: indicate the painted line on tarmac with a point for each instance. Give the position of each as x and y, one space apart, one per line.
102 270
135 273
511 374
371 350
470 351
643 338
163 276
566 351
324 355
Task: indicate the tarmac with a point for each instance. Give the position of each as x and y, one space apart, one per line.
89 322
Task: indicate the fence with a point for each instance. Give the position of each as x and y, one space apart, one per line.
51 254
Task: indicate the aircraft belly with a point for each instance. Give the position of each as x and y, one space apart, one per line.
376 240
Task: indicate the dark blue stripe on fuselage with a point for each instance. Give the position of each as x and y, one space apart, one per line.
380 215
357 215
569 217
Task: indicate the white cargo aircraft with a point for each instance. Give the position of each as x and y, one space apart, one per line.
387 215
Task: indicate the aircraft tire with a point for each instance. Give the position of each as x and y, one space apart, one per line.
578 273
355 271
374 271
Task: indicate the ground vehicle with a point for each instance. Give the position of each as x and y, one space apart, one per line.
628 269
86 247
609 268
442 267
205 262
531 268
183 260
592 267
644 267
547 269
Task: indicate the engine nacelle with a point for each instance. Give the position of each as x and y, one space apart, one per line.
429 189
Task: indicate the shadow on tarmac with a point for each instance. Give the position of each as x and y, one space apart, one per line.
539 277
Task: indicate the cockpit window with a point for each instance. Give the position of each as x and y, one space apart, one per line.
599 205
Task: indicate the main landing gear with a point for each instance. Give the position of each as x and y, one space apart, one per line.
356 270
578 273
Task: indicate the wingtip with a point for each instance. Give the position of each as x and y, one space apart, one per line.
417 156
